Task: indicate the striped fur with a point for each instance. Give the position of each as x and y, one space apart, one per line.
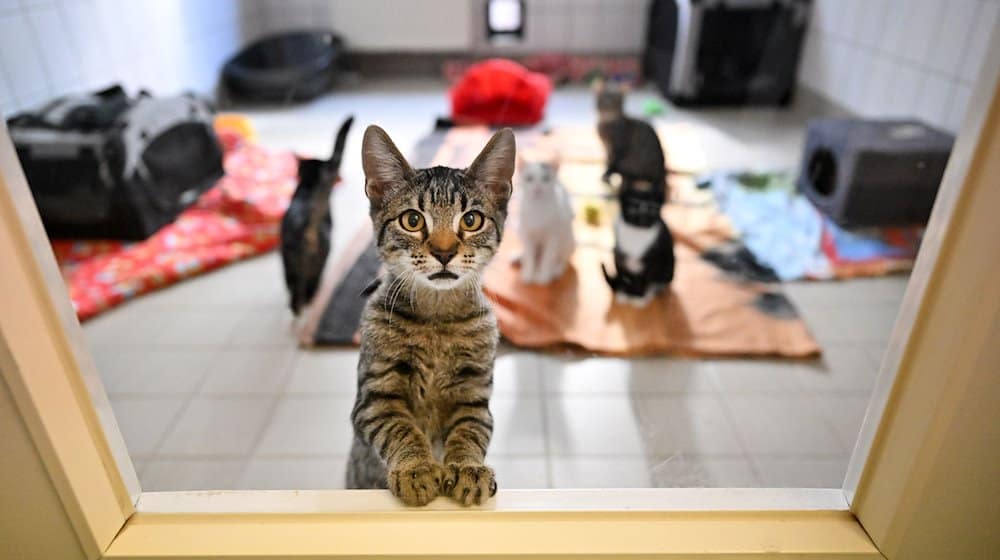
421 417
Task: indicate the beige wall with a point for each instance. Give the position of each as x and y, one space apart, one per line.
33 524
964 485
580 26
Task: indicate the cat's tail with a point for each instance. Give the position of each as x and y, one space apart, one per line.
612 281
340 142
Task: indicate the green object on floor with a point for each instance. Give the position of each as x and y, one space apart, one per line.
653 107
768 180
754 180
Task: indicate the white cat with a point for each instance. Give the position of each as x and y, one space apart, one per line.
544 223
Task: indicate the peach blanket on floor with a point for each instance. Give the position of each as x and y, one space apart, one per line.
706 312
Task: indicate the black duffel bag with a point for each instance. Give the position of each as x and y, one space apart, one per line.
106 166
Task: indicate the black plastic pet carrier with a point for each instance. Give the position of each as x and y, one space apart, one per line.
103 165
725 52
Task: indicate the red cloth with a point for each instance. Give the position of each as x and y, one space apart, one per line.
237 218
500 92
565 68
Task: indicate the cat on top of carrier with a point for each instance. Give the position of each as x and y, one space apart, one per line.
644 247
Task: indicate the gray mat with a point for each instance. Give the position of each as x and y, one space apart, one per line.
342 316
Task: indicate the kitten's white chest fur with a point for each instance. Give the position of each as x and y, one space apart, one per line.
634 242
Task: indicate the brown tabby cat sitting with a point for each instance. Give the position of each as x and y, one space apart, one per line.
428 338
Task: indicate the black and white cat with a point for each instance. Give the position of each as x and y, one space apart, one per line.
307 224
644 248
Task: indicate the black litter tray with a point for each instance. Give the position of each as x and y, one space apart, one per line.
293 66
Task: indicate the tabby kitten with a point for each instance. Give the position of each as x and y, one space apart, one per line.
632 146
421 417
307 224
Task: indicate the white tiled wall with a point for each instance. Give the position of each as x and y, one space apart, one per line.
378 25
585 26
51 47
575 26
899 58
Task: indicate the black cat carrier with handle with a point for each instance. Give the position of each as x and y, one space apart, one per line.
725 52
106 166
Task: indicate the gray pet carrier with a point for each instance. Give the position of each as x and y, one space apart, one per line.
105 166
873 173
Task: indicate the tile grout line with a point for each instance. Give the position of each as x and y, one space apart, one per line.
276 398
832 429
739 438
542 403
196 393
183 408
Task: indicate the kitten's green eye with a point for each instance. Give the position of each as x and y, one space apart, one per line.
411 220
471 221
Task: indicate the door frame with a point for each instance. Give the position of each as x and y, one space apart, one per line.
917 442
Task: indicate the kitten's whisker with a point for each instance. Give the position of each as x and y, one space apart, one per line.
404 280
397 284
413 294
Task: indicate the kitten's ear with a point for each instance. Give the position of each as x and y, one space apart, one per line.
494 166
385 168
554 164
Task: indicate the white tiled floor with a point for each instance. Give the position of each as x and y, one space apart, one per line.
211 391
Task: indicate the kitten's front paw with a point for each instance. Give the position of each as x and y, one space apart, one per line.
470 484
416 483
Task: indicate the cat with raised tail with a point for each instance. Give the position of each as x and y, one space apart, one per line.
544 222
307 225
